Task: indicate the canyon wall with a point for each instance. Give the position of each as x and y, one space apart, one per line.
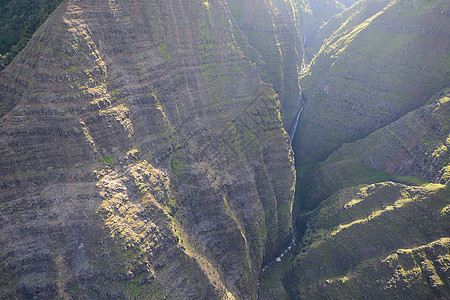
272 28
371 74
144 152
142 156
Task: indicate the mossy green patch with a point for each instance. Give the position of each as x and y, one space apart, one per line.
176 165
107 159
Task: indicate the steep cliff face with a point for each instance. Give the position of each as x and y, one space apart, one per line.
144 153
338 25
375 216
272 28
374 213
142 156
373 73
313 15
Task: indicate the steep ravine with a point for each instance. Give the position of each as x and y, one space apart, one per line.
380 225
285 251
382 197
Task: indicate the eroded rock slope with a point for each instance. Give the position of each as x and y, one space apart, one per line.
142 156
273 29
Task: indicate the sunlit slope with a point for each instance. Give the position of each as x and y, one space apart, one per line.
380 226
383 240
340 24
142 156
378 71
413 149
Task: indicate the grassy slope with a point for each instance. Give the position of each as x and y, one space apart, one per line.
339 25
373 74
189 194
412 150
352 246
354 239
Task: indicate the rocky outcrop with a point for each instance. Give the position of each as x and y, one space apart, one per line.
142 156
376 72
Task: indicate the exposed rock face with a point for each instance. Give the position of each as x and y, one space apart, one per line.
384 240
339 24
143 153
141 157
365 235
355 239
374 73
272 28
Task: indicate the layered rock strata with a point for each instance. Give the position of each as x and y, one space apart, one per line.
142 157
384 240
369 235
374 73
413 149
273 29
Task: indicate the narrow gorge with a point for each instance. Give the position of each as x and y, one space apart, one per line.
225 149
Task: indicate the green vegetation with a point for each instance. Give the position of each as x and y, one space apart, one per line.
19 20
350 235
271 285
366 201
369 71
176 165
108 160
208 196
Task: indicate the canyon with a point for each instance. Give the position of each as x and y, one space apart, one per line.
239 149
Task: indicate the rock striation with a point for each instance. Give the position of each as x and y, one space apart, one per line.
371 74
413 149
144 152
376 214
142 156
385 240
273 29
